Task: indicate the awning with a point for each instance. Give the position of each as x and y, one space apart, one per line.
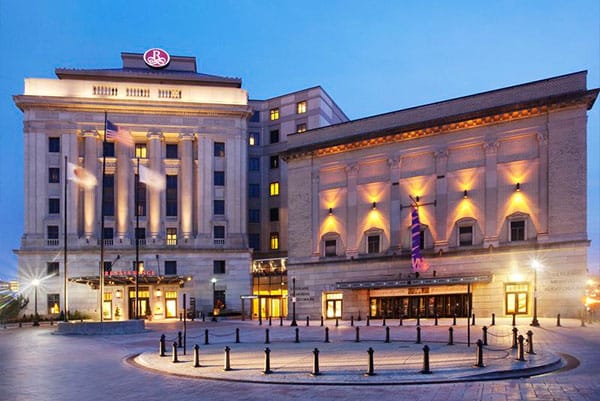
115 280
433 281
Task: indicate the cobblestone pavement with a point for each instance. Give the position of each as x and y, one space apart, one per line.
35 364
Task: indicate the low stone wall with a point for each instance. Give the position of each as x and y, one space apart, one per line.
101 328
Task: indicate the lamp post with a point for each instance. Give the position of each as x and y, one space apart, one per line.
294 323
36 318
214 316
535 265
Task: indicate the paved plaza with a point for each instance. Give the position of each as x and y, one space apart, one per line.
38 364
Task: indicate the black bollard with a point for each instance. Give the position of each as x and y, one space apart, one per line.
530 342
267 336
267 369
51 322
179 343
436 319
387 334
473 320
205 336
203 317
400 322
237 335
321 320
450 336
418 335
493 319
520 354
514 319
326 334
357 340
259 319
180 317
297 340
351 321
515 332
280 320
484 329
454 320
196 356
337 322
383 323
558 320
370 368
359 318
162 346
307 321
368 320
418 320
479 361
426 369
227 365
270 321
315 369
174 359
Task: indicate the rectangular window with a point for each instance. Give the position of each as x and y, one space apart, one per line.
274 136
220 302
254 139
140 235
108 235
274 188
274 214
171 236
172 151
274 162
274 241
109 195
253 164
170 267
52 232
52 269
54 144
330 247
274 114
253 190
53 175
516 298
53 206
53 304
373 244
107 266
218 266
465 235
517 230
219 207
254 216
171 196
219 178
140 151
108 149
219 232
300 128
219 149
255 117
301 107
254 241
141 197
140 269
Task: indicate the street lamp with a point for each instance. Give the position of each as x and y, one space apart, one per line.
535 265
36 318
294 323
214 316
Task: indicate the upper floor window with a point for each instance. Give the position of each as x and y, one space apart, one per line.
254 216
373 243
274 214
253 164
274 114
52 232
140 151
219 207
465 235
109 195
330 247
53 206
219 149
274 241
253 190
254 241
218 267
301 107
54 144
52 269
274 136
171 236
53 175
219 232
274 162
255 117
517 230
108 149
172 151
253 139
219 178
274 188
300 128
170 267
171 195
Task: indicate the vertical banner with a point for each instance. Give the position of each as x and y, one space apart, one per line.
418 263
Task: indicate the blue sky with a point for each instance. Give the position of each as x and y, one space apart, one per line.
370 56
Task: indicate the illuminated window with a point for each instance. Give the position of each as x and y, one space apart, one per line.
219 149
218 267
171 236
140 151
140 266
274 114
517 230
274 241
53 144
300 128
274 134
254 139
53 206
301 107
274 188
53 304
171 151
465 235
274 162
516 298
170 268
52 269
53 175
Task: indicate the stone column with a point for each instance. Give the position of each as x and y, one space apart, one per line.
124 191
353 236
91 141
187 183
490 235
441 197
204 182
154 195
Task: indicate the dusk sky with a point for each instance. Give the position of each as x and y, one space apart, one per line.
371 57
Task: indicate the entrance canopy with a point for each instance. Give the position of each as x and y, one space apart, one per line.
433 281
121 280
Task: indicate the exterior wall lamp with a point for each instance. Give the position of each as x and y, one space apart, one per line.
465 194
374 205
330 211
518 187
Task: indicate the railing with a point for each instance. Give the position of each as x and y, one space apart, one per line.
53 242
169 93
102 90
137 92
219 241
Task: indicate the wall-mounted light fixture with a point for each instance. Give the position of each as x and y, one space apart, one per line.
374 205
330 211
465 194
518 187
417 198
158 293
118 294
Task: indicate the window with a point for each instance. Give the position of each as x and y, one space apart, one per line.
53 175
140 235
107 266
171 236
254 164
254 139
301 128
109 195
140 267
254 216
52 269
108 235
465 235
53 206
220 299
274 241
274 162
53 304
254 241
218 266
274 214
52 232
141 197
171 196
301 107
516 298
274 136
140 151
255 117
373 243
219 178
54 144
517 230
274 188
330 247
219 235
170 267
253 190
171 150
274 114
219 149
219 207
108 149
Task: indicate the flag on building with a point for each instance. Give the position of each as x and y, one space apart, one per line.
118 134
418 263
151 178
81 176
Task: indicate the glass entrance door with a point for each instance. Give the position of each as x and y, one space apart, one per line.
143 304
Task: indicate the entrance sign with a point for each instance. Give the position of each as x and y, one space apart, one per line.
156 58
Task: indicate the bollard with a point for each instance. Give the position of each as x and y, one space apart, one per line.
370 368
359 318
515 331
237 335
321 320
418 320
520 355
493 319
20 324
473 320
267 361
383 323
351 321
530 342
514 319
51 322
297 340
450 336
583 318
418 335
280 320
357 340
436 320
179 343
400 321
205 336
337 322
387 334
315 369
203 317
180 317
259 319
307 321
227 365
454 320
479 362
270 321
267 337
162 346
426 369
326 334
368 320
196 356
558 320
484 329
174 359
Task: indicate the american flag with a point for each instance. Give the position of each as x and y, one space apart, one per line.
118 134
418 263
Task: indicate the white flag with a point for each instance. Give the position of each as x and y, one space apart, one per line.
151 178
81 176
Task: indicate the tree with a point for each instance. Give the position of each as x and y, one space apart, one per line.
11 305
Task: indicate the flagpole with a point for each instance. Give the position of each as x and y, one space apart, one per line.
65 308
102 211
136 180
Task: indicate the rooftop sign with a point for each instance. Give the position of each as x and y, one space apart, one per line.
156 58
